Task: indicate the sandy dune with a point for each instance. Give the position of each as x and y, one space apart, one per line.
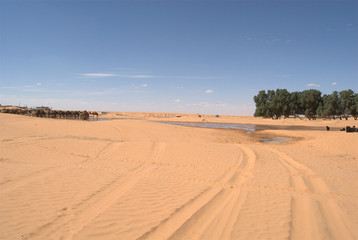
136 179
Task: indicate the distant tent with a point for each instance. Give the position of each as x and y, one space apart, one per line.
217 116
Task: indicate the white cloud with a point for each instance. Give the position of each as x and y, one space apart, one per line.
273 40
190 77
201 104
177 100
38 84
349 27
144 85
313 85
136 76
141 76
165 76
96 75
102 75
220 105
209 91
334 83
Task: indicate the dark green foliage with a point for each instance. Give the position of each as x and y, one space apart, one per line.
310 101
355 107
347 103
331 105
320 110
280 103
275 104
295 105
262 105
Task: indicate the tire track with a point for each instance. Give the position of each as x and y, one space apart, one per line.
225 209
104 149
73 219
327 219
23 180
216 204
27 141
36 140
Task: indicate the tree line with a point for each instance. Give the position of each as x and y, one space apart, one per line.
310 103
46 112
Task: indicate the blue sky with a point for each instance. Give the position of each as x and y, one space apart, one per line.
188 56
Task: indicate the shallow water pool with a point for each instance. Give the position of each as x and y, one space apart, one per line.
250 129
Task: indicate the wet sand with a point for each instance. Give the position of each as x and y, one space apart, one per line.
137 179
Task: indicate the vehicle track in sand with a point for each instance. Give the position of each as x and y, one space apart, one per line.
22 180
73 219
48 169
23 141
196 218
244 198
327 220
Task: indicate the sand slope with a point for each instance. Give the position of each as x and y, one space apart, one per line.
134 179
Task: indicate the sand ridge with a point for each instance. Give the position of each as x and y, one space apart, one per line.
136 179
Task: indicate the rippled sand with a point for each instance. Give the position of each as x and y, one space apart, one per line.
135 179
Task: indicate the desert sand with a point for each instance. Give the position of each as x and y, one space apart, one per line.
137 179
